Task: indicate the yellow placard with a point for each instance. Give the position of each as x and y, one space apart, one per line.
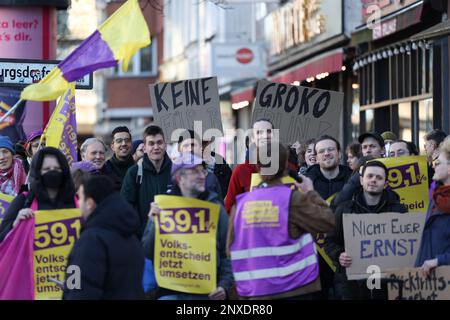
5 201
54 236
256 181
408 176
185 244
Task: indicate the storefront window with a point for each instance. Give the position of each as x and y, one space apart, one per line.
425 117
404 116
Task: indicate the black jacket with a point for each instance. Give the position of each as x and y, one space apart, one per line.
64 198
118 167
347 192
334 242
109 253
327 187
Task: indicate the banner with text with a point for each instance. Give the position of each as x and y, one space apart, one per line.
387 240
185 244
408 176
415 286
176 105
300 113
54 236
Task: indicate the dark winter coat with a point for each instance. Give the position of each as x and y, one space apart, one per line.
119 167
140 195
328 187
108 253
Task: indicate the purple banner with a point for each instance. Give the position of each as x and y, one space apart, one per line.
185 220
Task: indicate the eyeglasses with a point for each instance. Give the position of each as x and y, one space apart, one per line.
329 150
121 140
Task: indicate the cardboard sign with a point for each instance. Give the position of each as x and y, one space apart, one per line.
299 113
185 244
177 105
417 287
408 176
54 236
387 240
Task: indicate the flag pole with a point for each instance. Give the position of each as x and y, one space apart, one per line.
18 103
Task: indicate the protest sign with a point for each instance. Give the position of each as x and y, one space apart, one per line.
387 240
54 236
5 201
185 244
178 104
415 286
408 176
300 113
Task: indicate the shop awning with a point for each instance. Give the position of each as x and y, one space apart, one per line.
244 94
437 31
328 62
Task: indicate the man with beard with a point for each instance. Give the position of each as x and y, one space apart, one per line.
328 177
372 198
122 158
435 244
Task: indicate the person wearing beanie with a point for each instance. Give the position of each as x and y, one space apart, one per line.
389 137
12 173
138 150
188 175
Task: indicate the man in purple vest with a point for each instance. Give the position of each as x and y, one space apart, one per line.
270 237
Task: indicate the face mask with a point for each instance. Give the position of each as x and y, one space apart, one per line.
52 179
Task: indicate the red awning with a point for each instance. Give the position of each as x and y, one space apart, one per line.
328 62
246 94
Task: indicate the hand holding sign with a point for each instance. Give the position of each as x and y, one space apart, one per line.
345 260
429 265
23 214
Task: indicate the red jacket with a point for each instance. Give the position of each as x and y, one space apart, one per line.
239 183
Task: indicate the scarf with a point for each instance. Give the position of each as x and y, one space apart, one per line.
13 178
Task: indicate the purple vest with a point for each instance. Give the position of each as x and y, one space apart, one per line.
264 259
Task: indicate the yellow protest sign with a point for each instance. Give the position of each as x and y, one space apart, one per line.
54 236
185 244
256 181
408 176
5 201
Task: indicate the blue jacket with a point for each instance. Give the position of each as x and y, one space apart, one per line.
435 241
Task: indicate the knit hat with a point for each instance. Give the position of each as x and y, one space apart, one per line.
389 135
136 144
186 161
5 142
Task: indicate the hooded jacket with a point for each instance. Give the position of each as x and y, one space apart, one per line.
118 167
435 242
224 273
140 195
63 200
108 253
328 187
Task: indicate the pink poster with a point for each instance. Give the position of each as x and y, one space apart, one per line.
29 33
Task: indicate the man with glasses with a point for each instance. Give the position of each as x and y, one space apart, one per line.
150 176
189 180
122 158
434 248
